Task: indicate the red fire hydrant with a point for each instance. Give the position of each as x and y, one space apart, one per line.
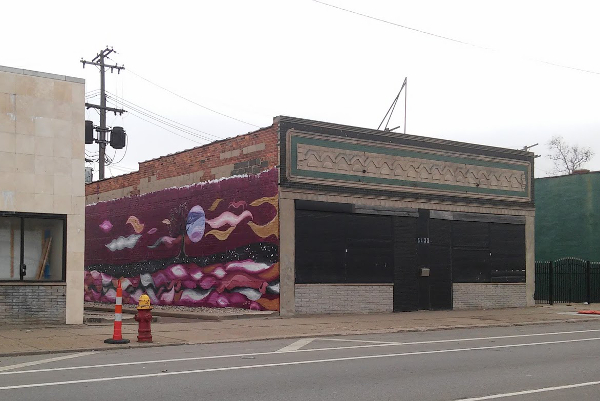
144 317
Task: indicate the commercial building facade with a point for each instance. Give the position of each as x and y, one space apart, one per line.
42 202
339 219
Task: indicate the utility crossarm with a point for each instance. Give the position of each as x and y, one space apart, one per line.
112 67
95 106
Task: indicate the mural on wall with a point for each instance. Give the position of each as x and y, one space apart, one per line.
214 244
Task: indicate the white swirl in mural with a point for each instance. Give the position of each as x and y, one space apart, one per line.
178 271
122 242
125 283
219 272
146 280
111 295
229 219
250 293
247 266
106 279
194 295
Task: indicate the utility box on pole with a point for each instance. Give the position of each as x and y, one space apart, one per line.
98 61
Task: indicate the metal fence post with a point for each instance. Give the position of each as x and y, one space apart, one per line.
551 283
588 281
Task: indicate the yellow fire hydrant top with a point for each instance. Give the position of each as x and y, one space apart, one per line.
144 302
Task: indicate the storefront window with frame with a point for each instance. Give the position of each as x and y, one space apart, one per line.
32 247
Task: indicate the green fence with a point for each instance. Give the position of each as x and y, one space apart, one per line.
567 280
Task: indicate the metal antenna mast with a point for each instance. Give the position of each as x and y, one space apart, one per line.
526 148
390 111
102 130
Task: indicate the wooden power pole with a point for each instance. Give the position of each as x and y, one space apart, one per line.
102 129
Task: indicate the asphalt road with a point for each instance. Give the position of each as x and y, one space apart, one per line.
541 362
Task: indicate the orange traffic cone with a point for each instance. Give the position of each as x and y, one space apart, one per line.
117 337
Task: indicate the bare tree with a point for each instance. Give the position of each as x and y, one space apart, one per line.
567 158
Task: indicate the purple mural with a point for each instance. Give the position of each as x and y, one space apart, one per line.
214 244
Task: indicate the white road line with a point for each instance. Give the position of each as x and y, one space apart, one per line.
268 365
361 341
198 358
525 392
42 361
295 346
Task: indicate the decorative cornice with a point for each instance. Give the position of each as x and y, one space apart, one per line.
318 159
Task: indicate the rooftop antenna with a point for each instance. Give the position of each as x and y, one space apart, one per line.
527 147
390 111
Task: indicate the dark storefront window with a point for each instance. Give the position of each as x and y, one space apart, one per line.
32 247
471 252
487 252
343 248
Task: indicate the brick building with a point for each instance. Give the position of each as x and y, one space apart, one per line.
311 217
244 154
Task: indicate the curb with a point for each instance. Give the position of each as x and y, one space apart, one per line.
92 320
308 335
189 315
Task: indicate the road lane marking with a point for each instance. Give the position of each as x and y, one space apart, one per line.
525 392
295 346
361 341
42 361
198 358
308 362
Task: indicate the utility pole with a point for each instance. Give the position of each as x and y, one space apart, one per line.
102 130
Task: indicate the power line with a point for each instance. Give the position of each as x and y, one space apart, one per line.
128 103
124 153
124 168
123 102
399 25
451 39
191 101
173 132
137 112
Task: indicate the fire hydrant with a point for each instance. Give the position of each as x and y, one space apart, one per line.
144 317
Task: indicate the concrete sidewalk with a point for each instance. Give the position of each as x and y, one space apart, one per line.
22 340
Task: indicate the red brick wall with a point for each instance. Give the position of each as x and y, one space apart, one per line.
204 158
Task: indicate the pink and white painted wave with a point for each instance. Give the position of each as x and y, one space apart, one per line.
228 218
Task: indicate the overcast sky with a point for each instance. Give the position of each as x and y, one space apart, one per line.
254 60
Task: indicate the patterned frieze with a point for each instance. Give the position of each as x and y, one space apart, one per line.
327 160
